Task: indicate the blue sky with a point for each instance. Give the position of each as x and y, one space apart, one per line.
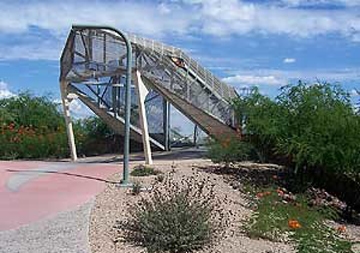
265 43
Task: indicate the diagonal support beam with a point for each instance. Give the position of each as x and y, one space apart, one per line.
142 92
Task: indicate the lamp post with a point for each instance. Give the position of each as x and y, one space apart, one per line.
125 180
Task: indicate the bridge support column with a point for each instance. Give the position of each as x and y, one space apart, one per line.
166 124
69 129
142 92
196 134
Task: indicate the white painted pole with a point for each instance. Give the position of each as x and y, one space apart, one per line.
69 128
142 92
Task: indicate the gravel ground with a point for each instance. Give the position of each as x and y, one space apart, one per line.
111 205
66 232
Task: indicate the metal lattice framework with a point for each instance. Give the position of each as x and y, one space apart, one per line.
93 67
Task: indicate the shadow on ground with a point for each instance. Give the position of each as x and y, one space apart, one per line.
247 173
175 154
60 173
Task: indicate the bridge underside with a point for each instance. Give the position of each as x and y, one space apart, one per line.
93 67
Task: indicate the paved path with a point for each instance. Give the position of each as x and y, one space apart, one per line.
65 232
45 206
30 191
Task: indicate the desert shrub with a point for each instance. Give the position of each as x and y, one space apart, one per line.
31 127
160 178
321 130
96 137
143 171
29 142
34 127
307 126
295 220
26 109
312 129
261 123
177 216
229 151
136 188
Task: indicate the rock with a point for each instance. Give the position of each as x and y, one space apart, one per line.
356 248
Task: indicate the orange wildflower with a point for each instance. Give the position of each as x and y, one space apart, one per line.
11 126
294 224
267 193
263 194
280 192
341 229
260 195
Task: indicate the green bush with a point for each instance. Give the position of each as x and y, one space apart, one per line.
136 188
271 221
96 137
229 151
143 171
28 110
31 127
312 129
307 126
321 130
261 122
178 216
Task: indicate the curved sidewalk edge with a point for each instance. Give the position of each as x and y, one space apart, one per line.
65 232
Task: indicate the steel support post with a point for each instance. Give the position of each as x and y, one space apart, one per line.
125 180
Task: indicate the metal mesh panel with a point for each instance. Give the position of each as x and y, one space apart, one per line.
97 58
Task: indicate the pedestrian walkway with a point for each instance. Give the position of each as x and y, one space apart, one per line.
31 191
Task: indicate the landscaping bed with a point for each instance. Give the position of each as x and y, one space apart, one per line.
113 203
261 215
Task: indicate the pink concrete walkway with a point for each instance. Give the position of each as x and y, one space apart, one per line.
27 194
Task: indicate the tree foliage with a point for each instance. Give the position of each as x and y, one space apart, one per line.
28 110
33 127
308 126
312 129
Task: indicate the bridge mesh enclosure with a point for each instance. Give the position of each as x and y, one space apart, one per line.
94 60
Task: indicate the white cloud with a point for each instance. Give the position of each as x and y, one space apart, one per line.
278 78
270 80
58 16
217 17
355 93
40 50
350 3
337 75
221 18
289 60
253 80
77 109
45 25
4 90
